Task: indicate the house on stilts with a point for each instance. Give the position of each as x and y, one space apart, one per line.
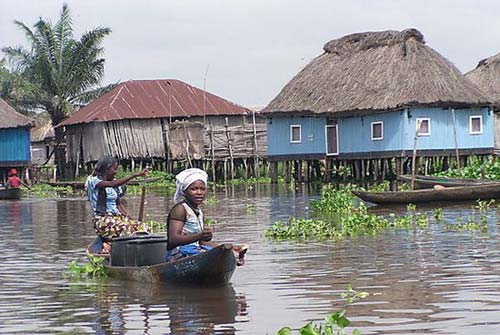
167 122
365 104
486 75
43 143
14 140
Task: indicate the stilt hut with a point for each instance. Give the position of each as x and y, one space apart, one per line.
164 120
14 139
42 146
372 98
486 75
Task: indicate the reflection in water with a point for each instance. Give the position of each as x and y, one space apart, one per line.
173 309
420 281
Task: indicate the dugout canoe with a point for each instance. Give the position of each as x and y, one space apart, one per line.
10 193
423 182
458 193
212 268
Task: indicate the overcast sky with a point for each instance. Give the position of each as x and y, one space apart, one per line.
251 49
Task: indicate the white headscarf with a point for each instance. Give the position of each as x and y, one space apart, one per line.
186 178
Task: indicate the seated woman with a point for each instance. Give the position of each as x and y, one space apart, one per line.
104 193
14 181
186 233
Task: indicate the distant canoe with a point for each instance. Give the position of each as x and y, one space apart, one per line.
459 193
78 185
212 268
423 182
10 193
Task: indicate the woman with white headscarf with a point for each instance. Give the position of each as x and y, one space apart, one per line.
187 234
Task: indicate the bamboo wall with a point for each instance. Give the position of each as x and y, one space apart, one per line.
212 139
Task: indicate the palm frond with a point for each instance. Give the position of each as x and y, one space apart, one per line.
64 34
61 71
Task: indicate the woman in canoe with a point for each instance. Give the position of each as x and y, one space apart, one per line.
187 234
105 192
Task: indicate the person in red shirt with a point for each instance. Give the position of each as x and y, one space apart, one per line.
14 181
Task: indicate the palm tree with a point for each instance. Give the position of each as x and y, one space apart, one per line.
57 72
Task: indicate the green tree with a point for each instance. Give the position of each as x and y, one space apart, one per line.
56 73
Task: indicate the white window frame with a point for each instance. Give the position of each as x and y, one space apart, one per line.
300 133
336 126
381 123
418 121
480 117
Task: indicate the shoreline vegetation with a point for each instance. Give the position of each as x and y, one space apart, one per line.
164 183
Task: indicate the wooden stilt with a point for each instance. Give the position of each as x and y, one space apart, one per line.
274 172
288 172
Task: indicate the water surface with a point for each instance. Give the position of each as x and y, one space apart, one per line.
432 281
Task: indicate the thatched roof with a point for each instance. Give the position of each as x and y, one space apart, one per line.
9 118
487 76
376 71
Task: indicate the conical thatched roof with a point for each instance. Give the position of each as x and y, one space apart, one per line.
376 71
487 76
9 118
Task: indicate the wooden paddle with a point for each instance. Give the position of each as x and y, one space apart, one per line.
143 198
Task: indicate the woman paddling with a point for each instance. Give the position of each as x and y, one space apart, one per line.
104 192
187 234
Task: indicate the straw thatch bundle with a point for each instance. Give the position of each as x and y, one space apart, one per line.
376 71
9 118
487 76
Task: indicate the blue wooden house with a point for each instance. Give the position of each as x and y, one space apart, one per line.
486 75
369 95
14 138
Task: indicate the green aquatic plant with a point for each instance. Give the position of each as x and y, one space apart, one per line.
156 227
476 168
334 324
483 205
336 216
94 268
380 187
209 222
438 214
352 295
212 200
251 181
250 208
470 223
411 207
42 190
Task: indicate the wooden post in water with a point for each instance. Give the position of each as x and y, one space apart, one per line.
455 136
212 150
255 148
328 170
414 158
288 172
274 172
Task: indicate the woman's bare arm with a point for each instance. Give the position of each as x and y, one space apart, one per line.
121 181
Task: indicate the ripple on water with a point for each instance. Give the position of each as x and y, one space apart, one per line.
420 282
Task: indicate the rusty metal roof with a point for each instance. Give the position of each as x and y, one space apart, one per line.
144 99
10 118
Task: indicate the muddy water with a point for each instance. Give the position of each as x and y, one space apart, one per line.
433 281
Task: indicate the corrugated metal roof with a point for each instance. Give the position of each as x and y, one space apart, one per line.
144 99
9 118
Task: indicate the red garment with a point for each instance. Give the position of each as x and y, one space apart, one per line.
14 181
